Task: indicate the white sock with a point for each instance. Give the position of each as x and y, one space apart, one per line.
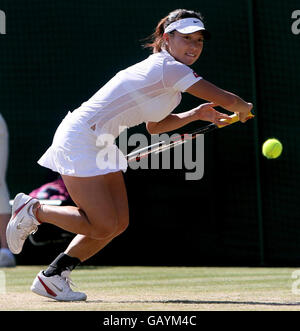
30 211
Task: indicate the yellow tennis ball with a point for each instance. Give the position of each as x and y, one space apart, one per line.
272 148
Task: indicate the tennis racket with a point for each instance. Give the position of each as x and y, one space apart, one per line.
179 140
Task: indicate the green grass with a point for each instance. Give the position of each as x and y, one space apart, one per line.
160 289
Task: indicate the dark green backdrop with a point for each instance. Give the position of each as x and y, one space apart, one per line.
245 210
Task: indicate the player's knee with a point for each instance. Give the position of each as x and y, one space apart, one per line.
103 230
111 229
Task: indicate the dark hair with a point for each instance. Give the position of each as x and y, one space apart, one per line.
156 39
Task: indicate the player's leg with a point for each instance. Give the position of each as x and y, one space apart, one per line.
95 214
92 196
84 247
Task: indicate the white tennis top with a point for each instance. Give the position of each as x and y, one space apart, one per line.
147 91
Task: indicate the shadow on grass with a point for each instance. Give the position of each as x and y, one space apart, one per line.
202 302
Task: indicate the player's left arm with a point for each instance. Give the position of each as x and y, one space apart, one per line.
204 112
227 100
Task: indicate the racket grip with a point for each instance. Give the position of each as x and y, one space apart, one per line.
234 119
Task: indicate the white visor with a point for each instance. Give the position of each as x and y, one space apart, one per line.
186 25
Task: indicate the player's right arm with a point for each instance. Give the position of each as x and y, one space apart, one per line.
227 100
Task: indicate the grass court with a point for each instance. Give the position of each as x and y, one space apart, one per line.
160 289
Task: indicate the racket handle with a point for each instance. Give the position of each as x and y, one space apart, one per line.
234 119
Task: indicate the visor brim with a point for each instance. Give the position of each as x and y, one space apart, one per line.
192 29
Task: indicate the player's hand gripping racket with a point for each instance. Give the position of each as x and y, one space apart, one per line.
181 139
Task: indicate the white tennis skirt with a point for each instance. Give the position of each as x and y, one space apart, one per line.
77 151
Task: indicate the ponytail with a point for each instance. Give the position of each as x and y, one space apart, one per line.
156 39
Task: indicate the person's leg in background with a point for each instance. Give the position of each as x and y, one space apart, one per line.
7 259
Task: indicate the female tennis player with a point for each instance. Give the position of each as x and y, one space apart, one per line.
145 92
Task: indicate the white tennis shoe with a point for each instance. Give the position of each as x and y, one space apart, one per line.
22 222
56 287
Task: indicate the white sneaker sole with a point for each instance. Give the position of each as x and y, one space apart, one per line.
46 295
